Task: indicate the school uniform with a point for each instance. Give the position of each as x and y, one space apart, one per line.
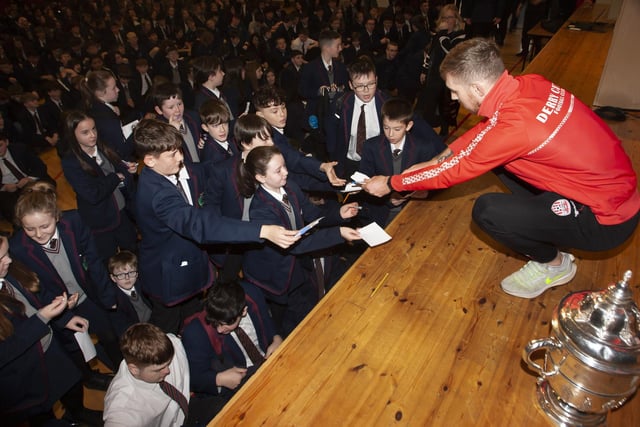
173 265
210 352
32 377
104 202
192 123
84 267
304 170
284 276
420 145
339 132
109 128
131 309
314 75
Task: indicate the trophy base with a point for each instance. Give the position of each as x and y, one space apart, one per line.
563 414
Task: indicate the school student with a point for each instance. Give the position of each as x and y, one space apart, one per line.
174 266
284 276
103 185
404 141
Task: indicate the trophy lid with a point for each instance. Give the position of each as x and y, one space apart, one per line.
602 328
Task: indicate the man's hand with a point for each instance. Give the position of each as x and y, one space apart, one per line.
377 186
231 378
279 235
328 168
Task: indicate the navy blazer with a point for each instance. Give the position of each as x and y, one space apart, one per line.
87 267
28 162
109 129
31 380
215 152
97 204
421 144
173 264
276 270
192 120
339 134
314 75
209 352
125 314
304 170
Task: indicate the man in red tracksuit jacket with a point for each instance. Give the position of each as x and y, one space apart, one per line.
572 184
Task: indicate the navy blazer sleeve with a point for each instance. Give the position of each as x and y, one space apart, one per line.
93 189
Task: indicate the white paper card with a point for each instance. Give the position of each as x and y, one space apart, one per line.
86 345
351 188
374 235
359 177
127 129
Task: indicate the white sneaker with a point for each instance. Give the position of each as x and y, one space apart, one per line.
535 278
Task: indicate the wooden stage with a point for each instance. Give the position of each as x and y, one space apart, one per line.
418 331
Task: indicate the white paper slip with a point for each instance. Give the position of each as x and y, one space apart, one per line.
86 345
374 235
309 226
351 188
359 177
127 129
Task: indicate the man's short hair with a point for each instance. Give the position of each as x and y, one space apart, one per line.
141 62
362 66
397 110
473 60
268 96
121 259
214 112
203 67
155 137
144 344
163 92
224 303
327 37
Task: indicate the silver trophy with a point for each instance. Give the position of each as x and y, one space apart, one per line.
592 361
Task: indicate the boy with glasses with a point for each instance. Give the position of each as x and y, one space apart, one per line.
132 306
356 117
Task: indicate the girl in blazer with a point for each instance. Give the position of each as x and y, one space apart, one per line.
59 248
103 185
284 275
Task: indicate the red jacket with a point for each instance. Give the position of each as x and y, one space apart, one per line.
545 136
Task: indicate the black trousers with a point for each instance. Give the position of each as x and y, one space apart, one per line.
536 224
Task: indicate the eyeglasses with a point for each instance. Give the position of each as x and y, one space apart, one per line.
130 274
365 87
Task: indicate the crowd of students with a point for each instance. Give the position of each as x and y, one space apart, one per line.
243 110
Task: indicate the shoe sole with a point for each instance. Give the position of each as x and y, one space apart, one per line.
562 281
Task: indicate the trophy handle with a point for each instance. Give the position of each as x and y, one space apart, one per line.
542 344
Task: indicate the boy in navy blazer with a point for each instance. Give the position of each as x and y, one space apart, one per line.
174 223
342 128
215 118
395 150
133 306
219 360
168 104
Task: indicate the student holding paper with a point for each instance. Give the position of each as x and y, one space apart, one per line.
404 142
103 184
284 276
